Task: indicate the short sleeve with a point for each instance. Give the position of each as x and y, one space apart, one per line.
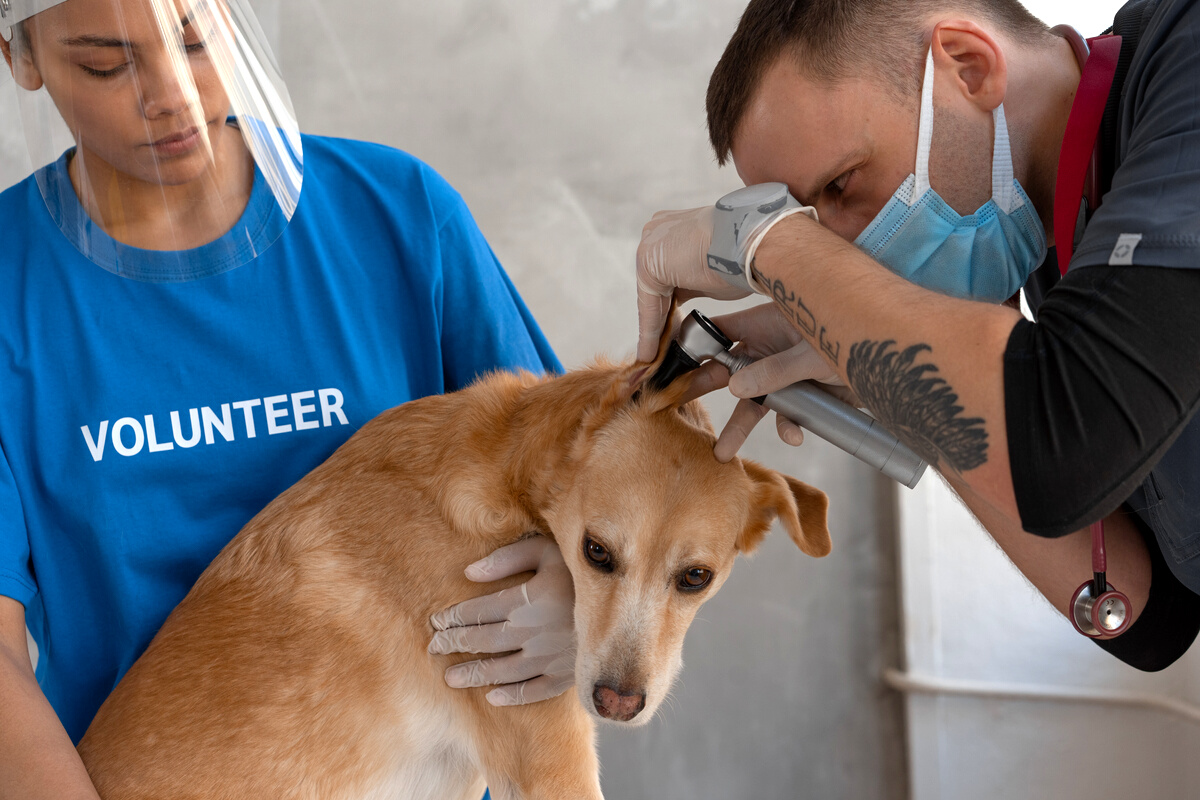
16 571
1154 202
485 324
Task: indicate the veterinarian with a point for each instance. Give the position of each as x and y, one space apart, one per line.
935 140
198 305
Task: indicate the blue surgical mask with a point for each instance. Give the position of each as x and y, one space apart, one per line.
988 255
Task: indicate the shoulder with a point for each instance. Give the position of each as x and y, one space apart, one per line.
15 201
26 229
388 175
1166 29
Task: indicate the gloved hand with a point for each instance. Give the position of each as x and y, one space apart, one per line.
537 619
673 258
674 253
783 358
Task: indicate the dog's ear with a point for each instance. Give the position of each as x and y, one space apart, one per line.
654 398
802 509
631 381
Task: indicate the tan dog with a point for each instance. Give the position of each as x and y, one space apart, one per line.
297 665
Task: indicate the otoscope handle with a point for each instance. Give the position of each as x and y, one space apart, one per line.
846 427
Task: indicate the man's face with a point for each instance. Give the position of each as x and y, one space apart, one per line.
144 104
846 148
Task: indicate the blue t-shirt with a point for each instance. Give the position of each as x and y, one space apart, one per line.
146 417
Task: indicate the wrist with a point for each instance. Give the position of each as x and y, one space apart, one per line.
760 235
740 220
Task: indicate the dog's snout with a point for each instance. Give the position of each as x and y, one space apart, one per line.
616 704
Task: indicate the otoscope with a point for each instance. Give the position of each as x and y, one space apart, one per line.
859 434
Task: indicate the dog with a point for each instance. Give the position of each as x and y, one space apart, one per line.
297 667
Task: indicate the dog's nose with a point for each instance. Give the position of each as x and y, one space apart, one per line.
617 705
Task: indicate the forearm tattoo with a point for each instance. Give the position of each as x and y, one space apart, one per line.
908 398
916 405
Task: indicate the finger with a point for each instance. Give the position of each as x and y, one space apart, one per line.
745 416
778 371
490 671
510 560
482 610
789 431
499 637
541 688
652 316
709 378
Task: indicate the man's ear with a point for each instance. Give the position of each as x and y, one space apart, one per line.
20 61
802 509
974 60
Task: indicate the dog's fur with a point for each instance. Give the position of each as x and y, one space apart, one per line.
297 666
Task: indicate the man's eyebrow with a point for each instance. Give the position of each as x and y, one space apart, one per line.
88 40
843 164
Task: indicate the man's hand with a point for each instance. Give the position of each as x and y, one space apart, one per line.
672 260
782 358
536 619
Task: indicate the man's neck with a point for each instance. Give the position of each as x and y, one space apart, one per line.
1042 86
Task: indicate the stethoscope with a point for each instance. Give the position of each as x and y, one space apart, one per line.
1097 609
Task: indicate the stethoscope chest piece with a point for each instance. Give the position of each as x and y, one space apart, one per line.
1106 615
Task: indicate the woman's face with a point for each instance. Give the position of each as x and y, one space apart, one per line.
135 81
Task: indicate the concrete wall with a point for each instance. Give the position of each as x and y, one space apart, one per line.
565 124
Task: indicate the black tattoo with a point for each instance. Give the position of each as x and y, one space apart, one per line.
831 349
921 409
790 302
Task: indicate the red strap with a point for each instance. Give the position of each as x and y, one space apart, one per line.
1099 556
1079 143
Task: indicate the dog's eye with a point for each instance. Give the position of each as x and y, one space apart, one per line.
696 578
597 554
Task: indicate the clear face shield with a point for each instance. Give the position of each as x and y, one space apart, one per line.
157 128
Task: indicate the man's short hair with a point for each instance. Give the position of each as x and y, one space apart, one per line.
831 40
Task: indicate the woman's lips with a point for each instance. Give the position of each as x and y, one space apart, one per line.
177 144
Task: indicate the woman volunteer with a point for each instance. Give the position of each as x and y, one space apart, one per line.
197 306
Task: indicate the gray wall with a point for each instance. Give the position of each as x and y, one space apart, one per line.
566 124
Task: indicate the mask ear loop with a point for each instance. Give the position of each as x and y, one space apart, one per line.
924 134
1004 192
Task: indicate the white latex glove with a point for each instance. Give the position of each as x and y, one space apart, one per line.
672 260
783 358
536 619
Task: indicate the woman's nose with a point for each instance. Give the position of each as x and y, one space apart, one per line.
166 86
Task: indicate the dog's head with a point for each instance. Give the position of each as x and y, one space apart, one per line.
649 524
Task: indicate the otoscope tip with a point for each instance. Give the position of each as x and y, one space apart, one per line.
676 363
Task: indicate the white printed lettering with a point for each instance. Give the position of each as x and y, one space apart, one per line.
223 426
139 438
175 428
331 403
299 410
273 414
96 444
152 438
247 406
131 436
